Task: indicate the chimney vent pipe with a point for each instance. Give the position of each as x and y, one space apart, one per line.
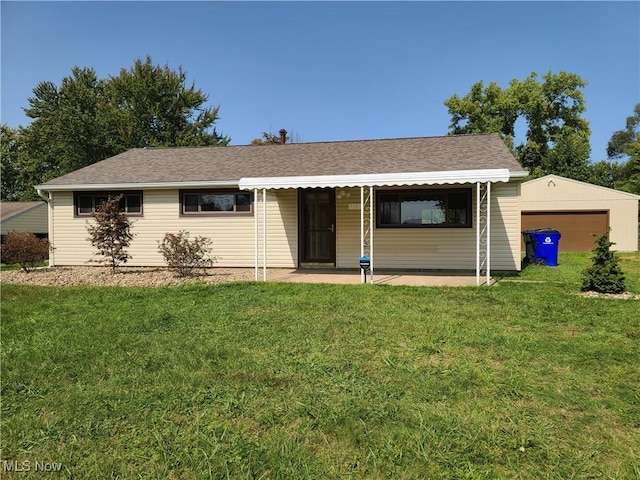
283 136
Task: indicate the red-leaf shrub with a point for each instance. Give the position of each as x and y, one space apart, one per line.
183 255
24 249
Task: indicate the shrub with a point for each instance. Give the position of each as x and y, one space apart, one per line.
111 234
24 249
183 255
605 274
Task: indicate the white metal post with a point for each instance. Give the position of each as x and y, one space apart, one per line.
363 278
264 234
255 231
371 231
488 232
477 233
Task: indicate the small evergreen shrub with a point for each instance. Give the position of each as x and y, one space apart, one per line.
183 255
111 234
24 249
604 275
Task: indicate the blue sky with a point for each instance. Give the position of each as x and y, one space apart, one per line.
332 70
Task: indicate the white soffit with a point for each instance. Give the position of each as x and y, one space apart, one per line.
379 179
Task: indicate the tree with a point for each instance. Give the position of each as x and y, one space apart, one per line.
87 119
483 110
557 137
268 138
11 166
604 275
69 129
622 140
111 234
607 174
151 106
569 157
626 143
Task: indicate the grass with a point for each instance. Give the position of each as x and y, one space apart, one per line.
15 266
525 380
571 266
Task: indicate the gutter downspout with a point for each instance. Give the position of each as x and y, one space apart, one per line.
49 199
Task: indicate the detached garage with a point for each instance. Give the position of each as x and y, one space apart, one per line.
24 217
580 210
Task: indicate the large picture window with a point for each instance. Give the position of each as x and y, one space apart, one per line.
424 208
87 203
214 202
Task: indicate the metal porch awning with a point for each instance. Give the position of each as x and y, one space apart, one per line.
367 182
377 179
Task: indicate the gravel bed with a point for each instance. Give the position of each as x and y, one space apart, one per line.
619 296
158 277
124 276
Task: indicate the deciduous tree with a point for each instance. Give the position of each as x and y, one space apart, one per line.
268 138
626 143
151 106
12 164
111 233
69 128
87 119
557 137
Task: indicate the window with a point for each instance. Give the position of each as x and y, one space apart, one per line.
424 208
215 202
87 203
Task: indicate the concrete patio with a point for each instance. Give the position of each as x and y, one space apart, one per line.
449 279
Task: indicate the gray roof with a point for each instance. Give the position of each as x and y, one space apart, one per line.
231 163
10 209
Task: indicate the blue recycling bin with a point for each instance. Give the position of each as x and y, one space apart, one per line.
542 246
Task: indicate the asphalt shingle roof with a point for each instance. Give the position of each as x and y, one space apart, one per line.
10 209
197 164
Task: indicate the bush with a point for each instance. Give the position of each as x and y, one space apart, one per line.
111 234
183 255
24 249
605 274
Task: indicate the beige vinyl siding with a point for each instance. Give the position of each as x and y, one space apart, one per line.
505 226
233 236
282 230
553 193
434 248
33 220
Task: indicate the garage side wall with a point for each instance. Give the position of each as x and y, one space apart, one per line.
233 236
33 220
557 194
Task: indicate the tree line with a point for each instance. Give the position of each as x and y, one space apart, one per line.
86 119
556 141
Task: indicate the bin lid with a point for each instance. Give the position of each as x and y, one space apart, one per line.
544 231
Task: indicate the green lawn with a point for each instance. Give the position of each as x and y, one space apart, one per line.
13 266
526 379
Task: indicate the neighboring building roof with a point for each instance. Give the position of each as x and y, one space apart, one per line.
609 191
198 165
11 209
